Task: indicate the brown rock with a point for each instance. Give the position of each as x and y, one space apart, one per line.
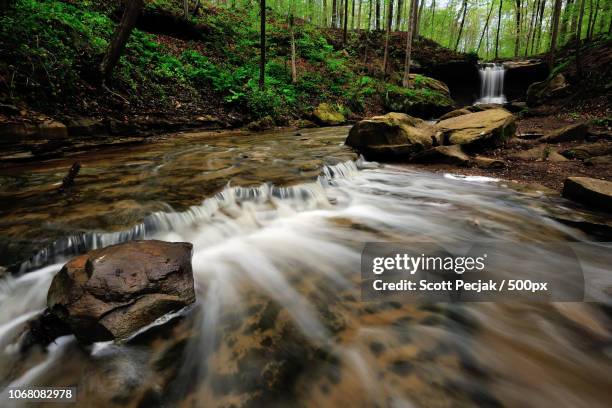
488 163
391 136
587 150
112 292
590 191
443 154
488 128
455 113
567 134
52 129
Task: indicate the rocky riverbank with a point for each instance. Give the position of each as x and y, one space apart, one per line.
491 141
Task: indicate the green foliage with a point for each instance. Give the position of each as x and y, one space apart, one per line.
49 42
57 46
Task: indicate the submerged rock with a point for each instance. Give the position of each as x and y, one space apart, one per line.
112 292
391 136
326 115
489 128
590 191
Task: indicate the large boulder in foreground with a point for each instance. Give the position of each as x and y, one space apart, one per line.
489 128
392 136
327 115
112 292
589 191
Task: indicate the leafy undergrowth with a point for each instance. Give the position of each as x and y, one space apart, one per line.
51 50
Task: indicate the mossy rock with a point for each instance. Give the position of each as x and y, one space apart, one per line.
392 136
326 115
539 92
425 98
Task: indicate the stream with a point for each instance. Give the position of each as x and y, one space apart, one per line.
278 221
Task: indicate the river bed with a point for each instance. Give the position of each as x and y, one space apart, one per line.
278 222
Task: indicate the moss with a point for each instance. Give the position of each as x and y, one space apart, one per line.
325 114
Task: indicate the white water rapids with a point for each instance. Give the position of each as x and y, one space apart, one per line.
299 246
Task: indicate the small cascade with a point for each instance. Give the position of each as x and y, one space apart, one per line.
492 83
231 200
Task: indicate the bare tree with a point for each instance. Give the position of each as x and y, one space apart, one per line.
408 57
120 38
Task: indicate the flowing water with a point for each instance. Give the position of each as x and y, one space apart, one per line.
278 222
492 83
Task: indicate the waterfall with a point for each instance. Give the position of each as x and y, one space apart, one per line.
491 83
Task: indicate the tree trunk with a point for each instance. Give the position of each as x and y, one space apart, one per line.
590 21
417 19
499 14
407 60
539 25
293 66
359 15
186 9
555 32
398 15
334 22
262 44
592 29
565 20
531 24
387 34
324 19
485 27
120 38
578 35
377 25
462 22
344 35
574 26
517 40
433 15
353 15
